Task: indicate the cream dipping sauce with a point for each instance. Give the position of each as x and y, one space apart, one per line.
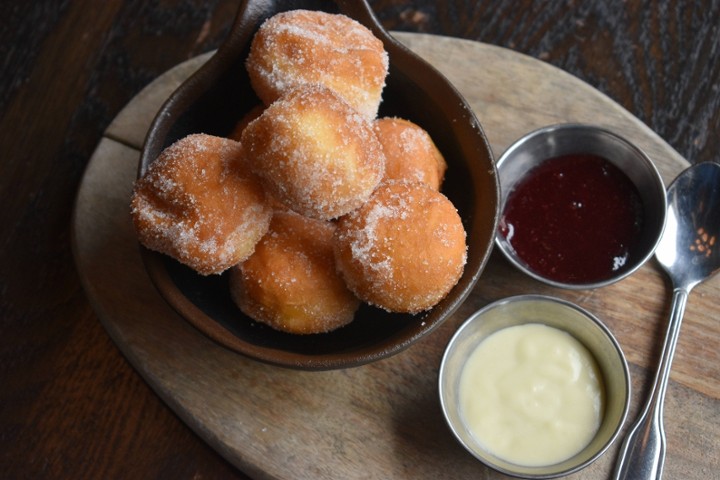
531 395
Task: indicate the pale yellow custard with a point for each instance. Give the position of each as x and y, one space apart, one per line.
531 395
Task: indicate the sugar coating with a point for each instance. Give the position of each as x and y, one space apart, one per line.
199 204
290 282
404 249
308 47
410 153
315 153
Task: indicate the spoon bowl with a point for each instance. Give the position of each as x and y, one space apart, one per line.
219 93
689 251
690 247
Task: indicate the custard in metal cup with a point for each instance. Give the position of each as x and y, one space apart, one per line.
582 207
534 386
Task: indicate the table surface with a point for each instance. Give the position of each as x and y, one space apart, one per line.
71 406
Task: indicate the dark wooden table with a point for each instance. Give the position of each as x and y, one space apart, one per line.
70 405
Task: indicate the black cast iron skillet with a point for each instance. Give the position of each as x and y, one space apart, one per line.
216 96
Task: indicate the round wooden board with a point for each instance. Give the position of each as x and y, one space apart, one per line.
383 420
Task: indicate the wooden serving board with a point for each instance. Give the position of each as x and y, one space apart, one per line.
383 420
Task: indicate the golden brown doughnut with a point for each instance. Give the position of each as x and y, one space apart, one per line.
404 249
410 153
315 153
290 282
300 47
199 204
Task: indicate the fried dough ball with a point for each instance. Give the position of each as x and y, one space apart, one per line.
290 283
199 204
410 153
315 153
403 250
307 47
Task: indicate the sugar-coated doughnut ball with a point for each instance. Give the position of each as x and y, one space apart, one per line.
199 204
300 47
290 282
315 153
404 249
410 153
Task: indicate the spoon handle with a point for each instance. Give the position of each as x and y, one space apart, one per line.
643 452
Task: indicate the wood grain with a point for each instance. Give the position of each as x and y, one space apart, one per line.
70 405
382 420
641 53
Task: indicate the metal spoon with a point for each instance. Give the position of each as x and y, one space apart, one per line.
689 251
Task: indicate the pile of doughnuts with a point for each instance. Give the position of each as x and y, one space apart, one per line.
312 204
